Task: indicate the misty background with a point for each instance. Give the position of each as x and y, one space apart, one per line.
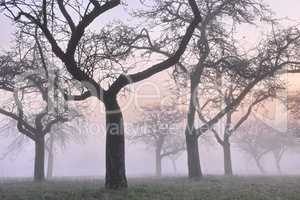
87 158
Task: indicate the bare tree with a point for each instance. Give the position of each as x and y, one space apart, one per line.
266 65
62 134
278 143
16 140
257 139
212 46
294 114
183 20
33 125
219 92
59 137
48 12
35 103
251 141
278 153
159 128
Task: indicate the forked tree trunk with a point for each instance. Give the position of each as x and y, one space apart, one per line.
227 158
278 157
50 158
158 159
115 146
259 166
39 161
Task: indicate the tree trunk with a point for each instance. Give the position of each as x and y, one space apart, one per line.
227 158
39 161
174 166
158 159
259 166
278 156
194 166
278 166
50 165
50 158
115 146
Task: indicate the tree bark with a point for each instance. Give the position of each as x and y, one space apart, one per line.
194 166
227 158
50 158
158 159
39 161
115 146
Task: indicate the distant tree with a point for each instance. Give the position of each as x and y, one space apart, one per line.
278 150
279 142
220 92
251 141
258 139
16 140
60 137
294 114
159 128
34 100
33 125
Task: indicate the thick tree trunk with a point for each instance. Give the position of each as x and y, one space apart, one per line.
194 166
50 158
227 158
39 161
115 146
158 159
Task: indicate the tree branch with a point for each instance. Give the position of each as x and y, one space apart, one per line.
66 15
124 80
86 21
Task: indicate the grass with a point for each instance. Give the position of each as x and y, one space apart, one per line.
209 188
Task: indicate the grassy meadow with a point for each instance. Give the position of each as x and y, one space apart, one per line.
209 188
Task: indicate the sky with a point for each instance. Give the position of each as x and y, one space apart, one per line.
88 159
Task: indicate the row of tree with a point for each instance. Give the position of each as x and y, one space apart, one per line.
59 59
160 130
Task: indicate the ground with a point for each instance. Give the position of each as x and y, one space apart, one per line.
209 188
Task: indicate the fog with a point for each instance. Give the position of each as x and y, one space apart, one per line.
87 158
